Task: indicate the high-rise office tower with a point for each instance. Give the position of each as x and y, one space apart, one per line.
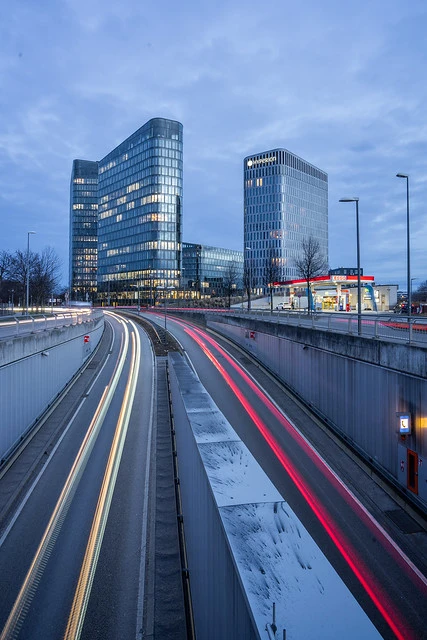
140 214
83 230
285 201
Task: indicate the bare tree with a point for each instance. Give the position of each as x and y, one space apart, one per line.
44 272
270 274
421 293
44 275
311 263
5 266
230 280
18 271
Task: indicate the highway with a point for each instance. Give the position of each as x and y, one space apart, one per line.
384 570
72 557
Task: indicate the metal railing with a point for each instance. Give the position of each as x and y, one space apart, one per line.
14 325
381 326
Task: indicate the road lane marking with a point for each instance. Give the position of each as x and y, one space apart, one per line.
142 560
52 453
90 561
372 587
310 448
34 574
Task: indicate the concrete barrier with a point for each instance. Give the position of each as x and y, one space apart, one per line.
33 371
246 548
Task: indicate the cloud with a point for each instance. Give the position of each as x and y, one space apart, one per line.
340 84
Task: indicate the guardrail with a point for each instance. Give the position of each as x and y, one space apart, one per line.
390 327
12 326
385 326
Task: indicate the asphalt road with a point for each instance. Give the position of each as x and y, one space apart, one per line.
383 567
38 581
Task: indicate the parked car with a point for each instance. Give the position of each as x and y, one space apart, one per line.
283 305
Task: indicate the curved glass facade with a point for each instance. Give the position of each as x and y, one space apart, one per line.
285 201
140 213
83 230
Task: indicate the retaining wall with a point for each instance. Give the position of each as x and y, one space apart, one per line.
33 371
356 384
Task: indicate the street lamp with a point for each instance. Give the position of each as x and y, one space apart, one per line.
359 293
28 268
250 278
408 247
167 289
412 279
164 289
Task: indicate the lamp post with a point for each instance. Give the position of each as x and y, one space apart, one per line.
408 246
250 278
359 292
167 289
28 269
412 279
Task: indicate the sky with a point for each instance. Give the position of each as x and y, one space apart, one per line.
341 84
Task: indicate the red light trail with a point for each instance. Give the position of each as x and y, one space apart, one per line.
350 555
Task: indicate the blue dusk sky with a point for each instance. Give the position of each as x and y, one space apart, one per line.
341 84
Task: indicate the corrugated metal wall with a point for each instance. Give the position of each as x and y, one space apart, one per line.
29 383
358 398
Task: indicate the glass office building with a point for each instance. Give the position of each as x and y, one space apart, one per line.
83 237
140 215
209 271
285 201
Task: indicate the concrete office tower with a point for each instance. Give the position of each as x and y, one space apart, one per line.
83 239
140 215
285 201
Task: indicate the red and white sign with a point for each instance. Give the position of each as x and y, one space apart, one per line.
252 335
86 338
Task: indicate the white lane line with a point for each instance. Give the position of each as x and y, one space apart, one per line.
142 562
99 522
50 457
23 601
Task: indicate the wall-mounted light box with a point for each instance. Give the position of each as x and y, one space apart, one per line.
404 423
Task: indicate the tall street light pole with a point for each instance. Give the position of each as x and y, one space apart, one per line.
28 270
166 290
249 276
412 279
408 245
359 288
